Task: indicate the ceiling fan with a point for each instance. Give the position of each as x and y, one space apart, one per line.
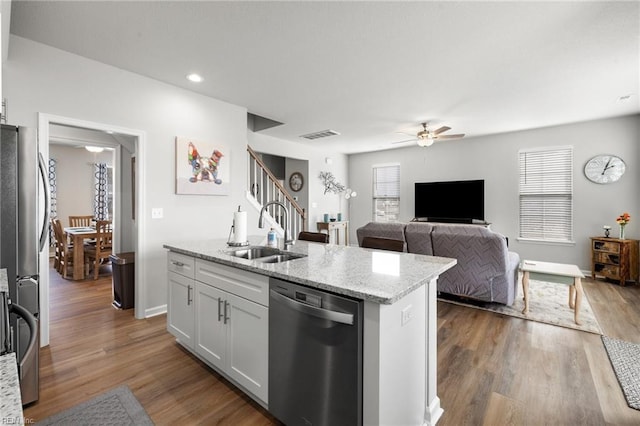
426 137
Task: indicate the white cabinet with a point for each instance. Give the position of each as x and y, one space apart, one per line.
221 314
232 331
211 329
180 300
248 345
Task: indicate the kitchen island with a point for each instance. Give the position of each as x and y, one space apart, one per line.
399 338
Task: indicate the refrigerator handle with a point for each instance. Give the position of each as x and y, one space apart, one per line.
45 222
33 328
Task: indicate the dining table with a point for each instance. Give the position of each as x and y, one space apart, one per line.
78 234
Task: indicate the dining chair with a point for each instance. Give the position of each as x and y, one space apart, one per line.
318 237
80 220
64 249
382 243
103 248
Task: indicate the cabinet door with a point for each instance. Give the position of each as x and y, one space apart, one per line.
247 340
180 313
211 331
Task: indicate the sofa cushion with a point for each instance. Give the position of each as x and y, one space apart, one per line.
394 231
418 236
483 260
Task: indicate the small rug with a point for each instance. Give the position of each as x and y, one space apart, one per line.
548 303
625 359
116 407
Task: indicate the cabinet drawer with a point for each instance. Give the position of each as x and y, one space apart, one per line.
249 285
609 271
181 264
610 258
608 246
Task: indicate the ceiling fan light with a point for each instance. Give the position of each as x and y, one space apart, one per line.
428 142
423 142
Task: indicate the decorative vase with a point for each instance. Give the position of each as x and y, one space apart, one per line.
622 232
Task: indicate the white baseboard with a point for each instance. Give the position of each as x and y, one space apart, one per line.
158 310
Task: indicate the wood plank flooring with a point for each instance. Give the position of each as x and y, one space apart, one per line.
492 369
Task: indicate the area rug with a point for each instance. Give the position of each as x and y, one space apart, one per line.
548 303
625 359
117 407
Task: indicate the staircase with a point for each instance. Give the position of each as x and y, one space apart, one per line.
263 187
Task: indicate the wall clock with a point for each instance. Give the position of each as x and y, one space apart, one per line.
296 181
604 168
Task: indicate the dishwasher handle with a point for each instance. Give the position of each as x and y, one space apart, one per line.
334 316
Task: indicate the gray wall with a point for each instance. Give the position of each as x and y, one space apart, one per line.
302 196
495 159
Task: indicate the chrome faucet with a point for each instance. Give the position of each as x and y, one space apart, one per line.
287 241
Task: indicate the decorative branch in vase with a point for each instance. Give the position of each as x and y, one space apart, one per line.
330 183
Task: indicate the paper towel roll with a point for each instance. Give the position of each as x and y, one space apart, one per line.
240 227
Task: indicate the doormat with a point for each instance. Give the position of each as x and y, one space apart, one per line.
548 303
625 359
116 407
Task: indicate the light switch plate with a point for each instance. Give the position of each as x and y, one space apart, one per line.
407 315
157 213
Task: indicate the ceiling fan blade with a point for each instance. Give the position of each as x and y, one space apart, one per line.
404 141
460 135
441 129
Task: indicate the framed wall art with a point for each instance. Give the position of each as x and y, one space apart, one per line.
202 168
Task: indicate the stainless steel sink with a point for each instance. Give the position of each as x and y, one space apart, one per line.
264 254
254 252
277 258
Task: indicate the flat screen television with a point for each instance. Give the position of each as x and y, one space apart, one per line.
455 201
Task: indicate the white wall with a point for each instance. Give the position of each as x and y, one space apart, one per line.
75 179
41 79
38 78
495 159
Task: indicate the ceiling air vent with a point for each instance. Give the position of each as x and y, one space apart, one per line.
318 135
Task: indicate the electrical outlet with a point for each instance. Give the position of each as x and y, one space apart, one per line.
407 315
157 213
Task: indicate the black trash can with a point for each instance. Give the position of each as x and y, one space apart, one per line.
123 267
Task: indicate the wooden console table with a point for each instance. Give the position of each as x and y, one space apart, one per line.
614 259
335 228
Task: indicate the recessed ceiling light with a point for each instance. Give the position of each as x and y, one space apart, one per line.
196 78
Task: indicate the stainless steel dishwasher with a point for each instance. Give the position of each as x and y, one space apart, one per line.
315 356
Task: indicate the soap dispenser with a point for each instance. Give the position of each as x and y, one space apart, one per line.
272 238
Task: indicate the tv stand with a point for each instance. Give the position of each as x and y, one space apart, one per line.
451 220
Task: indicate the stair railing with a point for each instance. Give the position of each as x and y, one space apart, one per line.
265 187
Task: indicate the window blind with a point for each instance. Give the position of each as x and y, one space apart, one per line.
386 193
386 181
546 194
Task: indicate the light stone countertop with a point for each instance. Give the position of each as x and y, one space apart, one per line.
4 282
10 400
372 275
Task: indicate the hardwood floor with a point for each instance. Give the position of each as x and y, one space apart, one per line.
499 370
492 369
94 347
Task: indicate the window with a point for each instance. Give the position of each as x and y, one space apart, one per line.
546 194
386 193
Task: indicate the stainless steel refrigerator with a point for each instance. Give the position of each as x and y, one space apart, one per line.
23 231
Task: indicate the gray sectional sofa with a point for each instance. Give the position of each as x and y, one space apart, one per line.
486 269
